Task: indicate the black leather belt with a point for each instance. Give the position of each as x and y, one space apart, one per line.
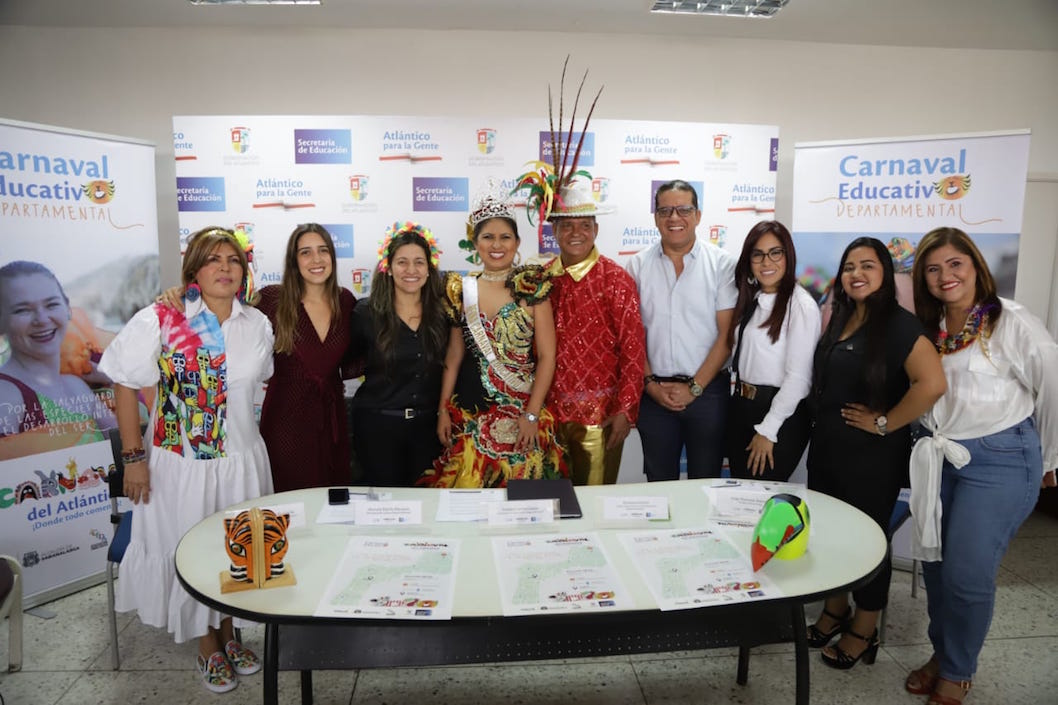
407 413
686 379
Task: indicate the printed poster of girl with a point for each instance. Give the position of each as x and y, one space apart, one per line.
52 395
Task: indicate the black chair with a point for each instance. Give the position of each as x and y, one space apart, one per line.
122 522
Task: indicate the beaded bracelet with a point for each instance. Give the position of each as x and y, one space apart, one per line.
133 455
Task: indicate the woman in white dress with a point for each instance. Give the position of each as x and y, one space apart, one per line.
203 450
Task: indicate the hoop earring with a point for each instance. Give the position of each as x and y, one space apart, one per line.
752 281
517 259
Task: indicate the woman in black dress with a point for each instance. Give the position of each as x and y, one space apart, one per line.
874 373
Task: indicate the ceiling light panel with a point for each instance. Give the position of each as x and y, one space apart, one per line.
255 2
727 8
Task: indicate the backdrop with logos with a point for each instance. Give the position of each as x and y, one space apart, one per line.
79 257
356 175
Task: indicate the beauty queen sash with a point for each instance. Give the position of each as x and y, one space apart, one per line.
472 315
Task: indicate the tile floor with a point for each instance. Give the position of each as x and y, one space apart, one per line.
67 660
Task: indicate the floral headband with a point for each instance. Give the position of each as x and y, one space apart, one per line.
398 229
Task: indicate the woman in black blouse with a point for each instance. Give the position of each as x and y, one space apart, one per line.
875 372
402 335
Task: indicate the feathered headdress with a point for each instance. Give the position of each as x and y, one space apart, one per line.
545 181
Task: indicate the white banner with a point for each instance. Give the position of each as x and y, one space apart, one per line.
357 175
899 189
80 256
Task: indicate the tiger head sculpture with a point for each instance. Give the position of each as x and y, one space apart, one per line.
239 543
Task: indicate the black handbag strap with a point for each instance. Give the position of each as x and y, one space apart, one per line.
748 314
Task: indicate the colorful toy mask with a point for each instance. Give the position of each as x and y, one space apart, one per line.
782 530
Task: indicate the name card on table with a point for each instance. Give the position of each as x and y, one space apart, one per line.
744 499
467 504
392 513
649 508
523 511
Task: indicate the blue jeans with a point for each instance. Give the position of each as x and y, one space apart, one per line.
699 428
983 504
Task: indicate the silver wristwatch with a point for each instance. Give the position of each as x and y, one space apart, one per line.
881 424
531 417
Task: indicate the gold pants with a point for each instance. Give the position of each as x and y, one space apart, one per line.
589 461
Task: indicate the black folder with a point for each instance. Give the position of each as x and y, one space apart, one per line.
560 489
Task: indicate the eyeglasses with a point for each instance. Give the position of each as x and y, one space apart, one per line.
774 254
682 211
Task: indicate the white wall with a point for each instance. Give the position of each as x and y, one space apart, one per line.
131 81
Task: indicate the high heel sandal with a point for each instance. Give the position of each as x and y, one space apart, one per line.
938 699
921 681
843 661
817 638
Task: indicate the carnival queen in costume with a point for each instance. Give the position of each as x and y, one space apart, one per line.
499 364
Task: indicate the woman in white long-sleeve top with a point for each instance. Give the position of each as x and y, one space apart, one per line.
994 436
777 326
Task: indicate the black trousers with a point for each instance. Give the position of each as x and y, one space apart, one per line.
393 451
866 471
743 414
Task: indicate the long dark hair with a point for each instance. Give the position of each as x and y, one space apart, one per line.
747 292
929 309
434 325
881 305
292 288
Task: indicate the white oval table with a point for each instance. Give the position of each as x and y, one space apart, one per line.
845 549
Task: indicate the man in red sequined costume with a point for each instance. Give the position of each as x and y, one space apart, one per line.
601 344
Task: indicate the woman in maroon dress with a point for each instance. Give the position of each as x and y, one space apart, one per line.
303 418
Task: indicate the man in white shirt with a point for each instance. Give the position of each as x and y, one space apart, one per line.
687 295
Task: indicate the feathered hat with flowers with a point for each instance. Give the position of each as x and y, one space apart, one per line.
554 189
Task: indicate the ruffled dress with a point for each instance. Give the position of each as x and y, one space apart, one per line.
490 397
204 450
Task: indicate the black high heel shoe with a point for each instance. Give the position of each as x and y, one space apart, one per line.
844 662
817 638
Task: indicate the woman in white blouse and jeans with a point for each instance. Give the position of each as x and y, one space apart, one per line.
994 436
776 327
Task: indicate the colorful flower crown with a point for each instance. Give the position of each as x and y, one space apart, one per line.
398 228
